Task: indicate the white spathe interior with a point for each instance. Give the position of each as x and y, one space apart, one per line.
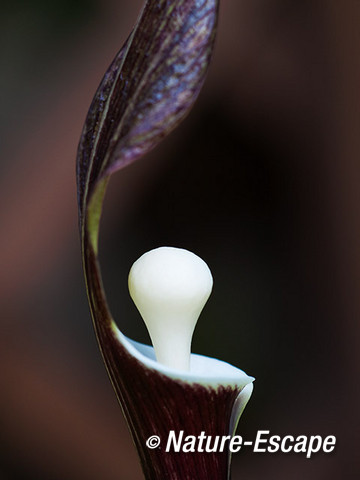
204 370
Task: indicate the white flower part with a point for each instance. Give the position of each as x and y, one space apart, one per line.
170 287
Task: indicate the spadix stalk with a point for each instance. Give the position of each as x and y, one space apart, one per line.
170 287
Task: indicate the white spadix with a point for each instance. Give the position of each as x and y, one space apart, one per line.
170 287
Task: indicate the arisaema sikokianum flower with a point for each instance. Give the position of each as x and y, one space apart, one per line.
147 90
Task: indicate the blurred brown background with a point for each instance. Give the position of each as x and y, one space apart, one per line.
261 180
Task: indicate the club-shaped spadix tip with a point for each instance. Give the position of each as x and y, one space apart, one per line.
170 287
